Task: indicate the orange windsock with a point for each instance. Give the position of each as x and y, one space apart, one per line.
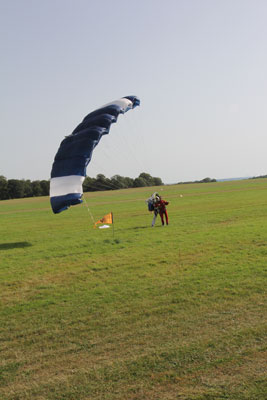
107 219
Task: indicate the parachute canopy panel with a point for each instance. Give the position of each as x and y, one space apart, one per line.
75 152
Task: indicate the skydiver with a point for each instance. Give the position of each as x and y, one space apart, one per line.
151 201
156 210
161 207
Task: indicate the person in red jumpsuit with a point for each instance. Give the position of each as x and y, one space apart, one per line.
161 207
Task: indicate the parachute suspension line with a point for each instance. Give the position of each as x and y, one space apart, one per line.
88 209
127 135
133 146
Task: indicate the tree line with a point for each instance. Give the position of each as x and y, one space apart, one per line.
259 177
205 180
20 188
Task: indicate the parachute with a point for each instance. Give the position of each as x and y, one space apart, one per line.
75 153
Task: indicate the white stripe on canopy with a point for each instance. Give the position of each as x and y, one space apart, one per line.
63 185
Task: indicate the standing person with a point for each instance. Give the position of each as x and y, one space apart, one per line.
151 202
156 210
161 206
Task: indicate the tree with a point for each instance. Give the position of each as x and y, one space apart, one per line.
27 188
36 188
102 183
3 188
15 189
147 178
140 182
208 180
118 182
89 184
44 187
157 182
129 182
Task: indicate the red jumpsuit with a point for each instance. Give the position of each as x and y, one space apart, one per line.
161 206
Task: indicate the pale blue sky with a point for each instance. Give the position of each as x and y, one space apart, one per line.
198 66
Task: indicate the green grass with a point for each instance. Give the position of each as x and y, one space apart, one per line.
175 312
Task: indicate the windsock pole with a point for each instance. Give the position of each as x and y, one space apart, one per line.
112 224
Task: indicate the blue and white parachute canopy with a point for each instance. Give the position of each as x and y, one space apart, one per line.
75 153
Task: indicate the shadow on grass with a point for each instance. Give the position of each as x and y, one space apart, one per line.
14 245
144 227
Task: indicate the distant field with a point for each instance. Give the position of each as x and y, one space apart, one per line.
175 312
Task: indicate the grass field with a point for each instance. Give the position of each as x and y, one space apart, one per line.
175 312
